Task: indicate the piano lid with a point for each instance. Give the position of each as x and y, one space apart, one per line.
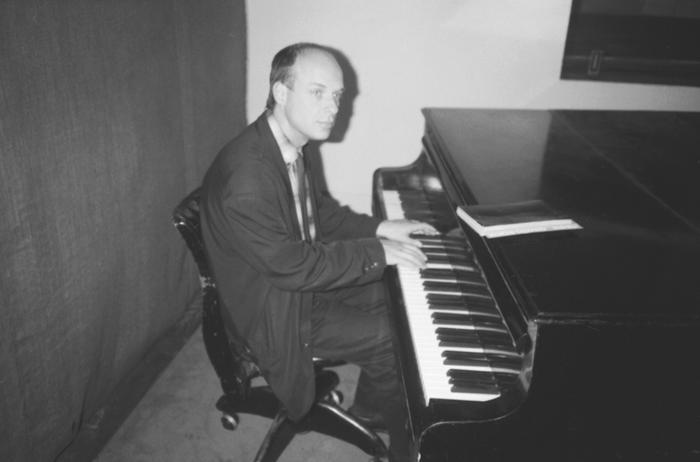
631 179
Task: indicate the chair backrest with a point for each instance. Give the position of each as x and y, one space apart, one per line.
186 219
232 361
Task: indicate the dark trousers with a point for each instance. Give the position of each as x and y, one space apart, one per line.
352 324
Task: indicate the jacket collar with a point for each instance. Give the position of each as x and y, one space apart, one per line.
290 153
270 149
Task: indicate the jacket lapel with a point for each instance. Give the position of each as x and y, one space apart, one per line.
273 156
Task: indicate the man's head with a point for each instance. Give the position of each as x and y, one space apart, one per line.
306 84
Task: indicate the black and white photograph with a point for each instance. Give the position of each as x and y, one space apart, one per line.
350 230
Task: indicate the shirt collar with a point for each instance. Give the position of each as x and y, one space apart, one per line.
289 152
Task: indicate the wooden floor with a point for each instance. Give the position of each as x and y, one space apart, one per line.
176 421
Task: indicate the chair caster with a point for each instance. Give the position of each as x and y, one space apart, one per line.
229 421
336 397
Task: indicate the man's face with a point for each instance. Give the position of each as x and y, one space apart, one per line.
312 100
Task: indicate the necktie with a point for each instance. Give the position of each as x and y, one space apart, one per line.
299 180
303 197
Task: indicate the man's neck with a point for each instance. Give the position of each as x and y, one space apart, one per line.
289 134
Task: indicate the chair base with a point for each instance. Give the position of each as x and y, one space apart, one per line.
325 416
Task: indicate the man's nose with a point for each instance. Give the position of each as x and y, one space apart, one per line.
332 105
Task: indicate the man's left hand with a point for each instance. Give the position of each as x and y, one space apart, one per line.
401 230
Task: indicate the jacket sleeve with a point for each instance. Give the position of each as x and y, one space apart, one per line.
337 222
257 228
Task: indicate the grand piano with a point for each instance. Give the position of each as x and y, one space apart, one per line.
580 345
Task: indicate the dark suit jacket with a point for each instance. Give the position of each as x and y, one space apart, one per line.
265 273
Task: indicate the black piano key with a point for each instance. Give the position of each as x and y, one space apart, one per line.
417 207
479 322
493 314
452 250
441 239
468 291
485 376
471 280
410 205
419 211
484 336
461 263
460 299
501 380
465 362
455 266
461 309
484 299
456 345
462 374
428 250
445 248
463 299
434 257
455 334
472 292
465 286
449 249
420 193
486 339
453 273
420 215
481 381
448 274
465 386
453 263
444 214
412 193
455 301
460 343
414 201
479 311
458 387
456 341
466 358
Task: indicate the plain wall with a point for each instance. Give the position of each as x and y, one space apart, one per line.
409 54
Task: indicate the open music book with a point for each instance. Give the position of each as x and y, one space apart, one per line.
498 220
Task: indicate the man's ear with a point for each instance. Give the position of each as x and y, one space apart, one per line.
279 92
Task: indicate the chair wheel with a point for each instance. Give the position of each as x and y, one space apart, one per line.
336 396
229 421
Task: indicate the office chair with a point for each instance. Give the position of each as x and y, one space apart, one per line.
236 367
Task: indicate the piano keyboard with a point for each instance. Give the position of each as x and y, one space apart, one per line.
463 348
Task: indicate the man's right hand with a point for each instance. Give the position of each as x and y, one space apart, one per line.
403 254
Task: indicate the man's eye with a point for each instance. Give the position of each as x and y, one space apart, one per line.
317 93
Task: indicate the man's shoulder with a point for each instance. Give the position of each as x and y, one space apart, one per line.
245 163
249 147
251 142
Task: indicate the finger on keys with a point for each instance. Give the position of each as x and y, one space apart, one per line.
403 254
401 230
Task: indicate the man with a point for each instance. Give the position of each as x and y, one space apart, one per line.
299 275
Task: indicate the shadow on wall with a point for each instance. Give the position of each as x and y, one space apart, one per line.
313 149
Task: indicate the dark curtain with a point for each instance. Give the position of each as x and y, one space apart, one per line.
110 112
